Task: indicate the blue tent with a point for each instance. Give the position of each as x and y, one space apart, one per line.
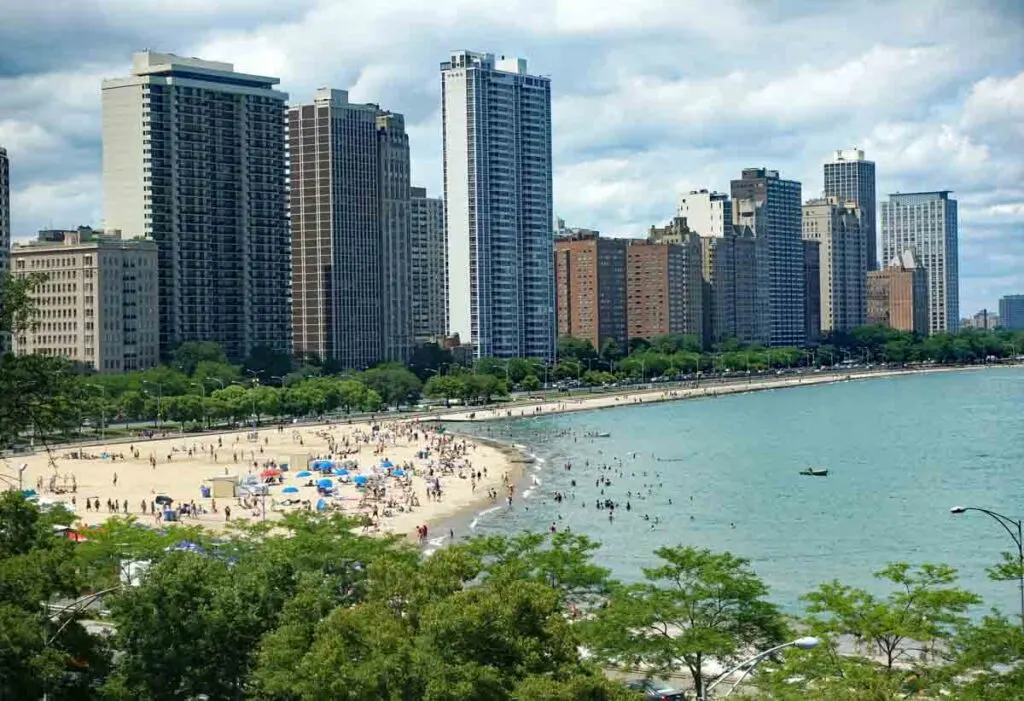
398 473
325 483
360 480
340 472
304 473
321 504
290 490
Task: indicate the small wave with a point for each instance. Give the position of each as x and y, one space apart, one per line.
476 519
527 493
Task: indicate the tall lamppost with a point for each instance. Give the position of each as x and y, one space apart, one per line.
751 662
1015 529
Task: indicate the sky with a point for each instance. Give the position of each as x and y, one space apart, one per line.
650 98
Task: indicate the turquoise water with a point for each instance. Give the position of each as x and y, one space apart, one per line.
900 451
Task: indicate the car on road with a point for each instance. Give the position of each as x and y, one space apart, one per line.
655 690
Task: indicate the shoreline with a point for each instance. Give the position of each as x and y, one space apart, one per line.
467 518
652 394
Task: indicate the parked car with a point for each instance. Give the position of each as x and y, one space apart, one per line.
655 690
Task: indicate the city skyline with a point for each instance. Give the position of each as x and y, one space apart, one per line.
931 108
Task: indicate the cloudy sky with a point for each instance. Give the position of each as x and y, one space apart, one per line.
651 97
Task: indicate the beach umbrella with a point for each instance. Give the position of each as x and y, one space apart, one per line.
164 500
387 463
290 490
304 473
339 472
270 472
325 483
398 473
322 465
360 480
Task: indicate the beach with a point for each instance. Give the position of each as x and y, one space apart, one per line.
402 462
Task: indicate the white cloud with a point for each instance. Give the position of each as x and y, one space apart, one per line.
651 96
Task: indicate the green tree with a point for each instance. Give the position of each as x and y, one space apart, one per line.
37 393
530 383
446 387
267 362
39 652
576 348
393 382
190 354
696 605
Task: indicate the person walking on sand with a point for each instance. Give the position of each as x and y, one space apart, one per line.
227 513
115 479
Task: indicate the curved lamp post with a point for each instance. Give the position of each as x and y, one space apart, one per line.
803 643
1015 529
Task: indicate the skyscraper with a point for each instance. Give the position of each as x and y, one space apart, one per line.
350 208
498 207
5 229
850 178
773 211
590 288
674 275
429 268
812 289
194 158
707 213
734 290
1011 313
840 229
927 223
5 209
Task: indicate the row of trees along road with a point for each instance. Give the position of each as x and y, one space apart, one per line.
310 610
199 385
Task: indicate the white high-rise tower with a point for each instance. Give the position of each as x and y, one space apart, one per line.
498 205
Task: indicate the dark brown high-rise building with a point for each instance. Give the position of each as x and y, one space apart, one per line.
898 295
590 288
664 285
350 214
812 289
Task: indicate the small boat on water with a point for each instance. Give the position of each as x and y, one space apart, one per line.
815 472
594 434
670 459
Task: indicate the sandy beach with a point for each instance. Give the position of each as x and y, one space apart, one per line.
403 463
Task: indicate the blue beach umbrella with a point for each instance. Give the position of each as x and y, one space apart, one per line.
387 463
325 483
290 490
304 473
340 472
323 465
399 473
360 480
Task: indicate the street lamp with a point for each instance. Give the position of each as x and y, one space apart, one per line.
1009 525
803 643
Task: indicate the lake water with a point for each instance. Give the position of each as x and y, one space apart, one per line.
900 451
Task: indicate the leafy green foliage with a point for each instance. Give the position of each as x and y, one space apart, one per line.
695 606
